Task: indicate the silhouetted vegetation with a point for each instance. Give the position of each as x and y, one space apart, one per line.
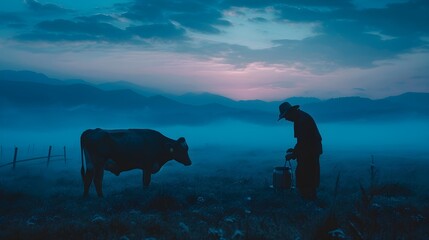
211 201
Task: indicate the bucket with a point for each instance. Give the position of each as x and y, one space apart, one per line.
282 178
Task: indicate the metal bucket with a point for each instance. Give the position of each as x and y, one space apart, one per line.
282 178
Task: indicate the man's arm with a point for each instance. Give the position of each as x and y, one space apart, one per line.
290 154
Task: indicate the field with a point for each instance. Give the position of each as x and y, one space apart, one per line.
221 196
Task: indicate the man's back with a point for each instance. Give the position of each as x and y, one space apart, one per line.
307 134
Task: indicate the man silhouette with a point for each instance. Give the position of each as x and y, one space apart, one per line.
306 151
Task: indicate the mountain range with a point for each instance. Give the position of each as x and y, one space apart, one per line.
33 96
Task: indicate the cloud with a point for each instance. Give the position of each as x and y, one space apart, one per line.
94 30
45 8
155 19
302 14
11 20
55 37
97 18
399 19
340 35
200 16
6 17
258 20
160 31
66 30
325 53
205 22
276 3
344 37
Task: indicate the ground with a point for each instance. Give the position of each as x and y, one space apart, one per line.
221 196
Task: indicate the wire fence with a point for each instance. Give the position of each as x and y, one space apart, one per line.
49 158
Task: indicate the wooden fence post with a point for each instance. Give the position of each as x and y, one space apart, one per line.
14 157
65 154
49 155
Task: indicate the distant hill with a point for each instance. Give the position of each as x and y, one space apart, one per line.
32 94
28 95
408 105
40 102
27 76
199 99
416 102
121 85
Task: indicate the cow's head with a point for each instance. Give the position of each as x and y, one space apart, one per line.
180 152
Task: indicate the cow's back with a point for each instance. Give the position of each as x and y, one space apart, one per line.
136 144
135 138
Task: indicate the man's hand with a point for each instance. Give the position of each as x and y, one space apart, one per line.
290 154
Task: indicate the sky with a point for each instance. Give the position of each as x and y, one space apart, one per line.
242 49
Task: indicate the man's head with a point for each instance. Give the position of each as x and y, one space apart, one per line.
286 111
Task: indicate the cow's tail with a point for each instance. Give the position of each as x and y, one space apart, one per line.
82 169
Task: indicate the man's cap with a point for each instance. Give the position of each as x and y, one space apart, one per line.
284 108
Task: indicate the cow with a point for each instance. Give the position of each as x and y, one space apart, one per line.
122 150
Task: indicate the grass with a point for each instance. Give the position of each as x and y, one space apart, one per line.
211 200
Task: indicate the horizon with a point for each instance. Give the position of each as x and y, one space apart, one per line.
159 92
267 50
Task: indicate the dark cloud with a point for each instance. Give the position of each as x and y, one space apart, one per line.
159 31
6 17
319 54
345 36
45 8
355 31
66 30
276 3
80 30
301 14
201 16
258 20
248 3
11 20
204 22
318 3
97 18
144 12
399 19
55 37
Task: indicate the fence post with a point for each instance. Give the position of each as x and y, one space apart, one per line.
65 154
14 157
49 155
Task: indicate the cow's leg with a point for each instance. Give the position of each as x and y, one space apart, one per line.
146 178
89 174
98 179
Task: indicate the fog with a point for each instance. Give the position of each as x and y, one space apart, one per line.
361 139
